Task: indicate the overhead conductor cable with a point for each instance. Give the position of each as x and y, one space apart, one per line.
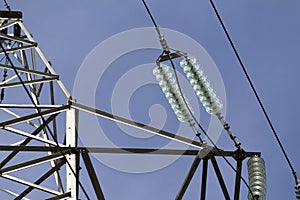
262 107
177 100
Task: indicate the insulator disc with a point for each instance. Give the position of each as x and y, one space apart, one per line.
257 178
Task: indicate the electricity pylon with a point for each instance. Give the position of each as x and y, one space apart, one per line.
38 149
30 115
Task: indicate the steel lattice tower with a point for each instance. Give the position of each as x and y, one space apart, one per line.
35 149
37 126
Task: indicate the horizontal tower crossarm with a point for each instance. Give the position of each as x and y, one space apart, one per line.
125 150
33 116
29 71
29 106
17 39
32 163
39 187
137 125
42 80
18 48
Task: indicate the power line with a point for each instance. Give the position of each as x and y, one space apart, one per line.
205 133
185 102
43 119
7 5
149 13
254 90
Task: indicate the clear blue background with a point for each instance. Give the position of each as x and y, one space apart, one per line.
266 34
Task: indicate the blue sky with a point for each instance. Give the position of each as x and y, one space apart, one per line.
266 35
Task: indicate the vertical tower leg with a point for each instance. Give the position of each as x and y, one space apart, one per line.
71 141
238 179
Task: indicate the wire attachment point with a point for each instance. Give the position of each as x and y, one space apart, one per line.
227 128
163 42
